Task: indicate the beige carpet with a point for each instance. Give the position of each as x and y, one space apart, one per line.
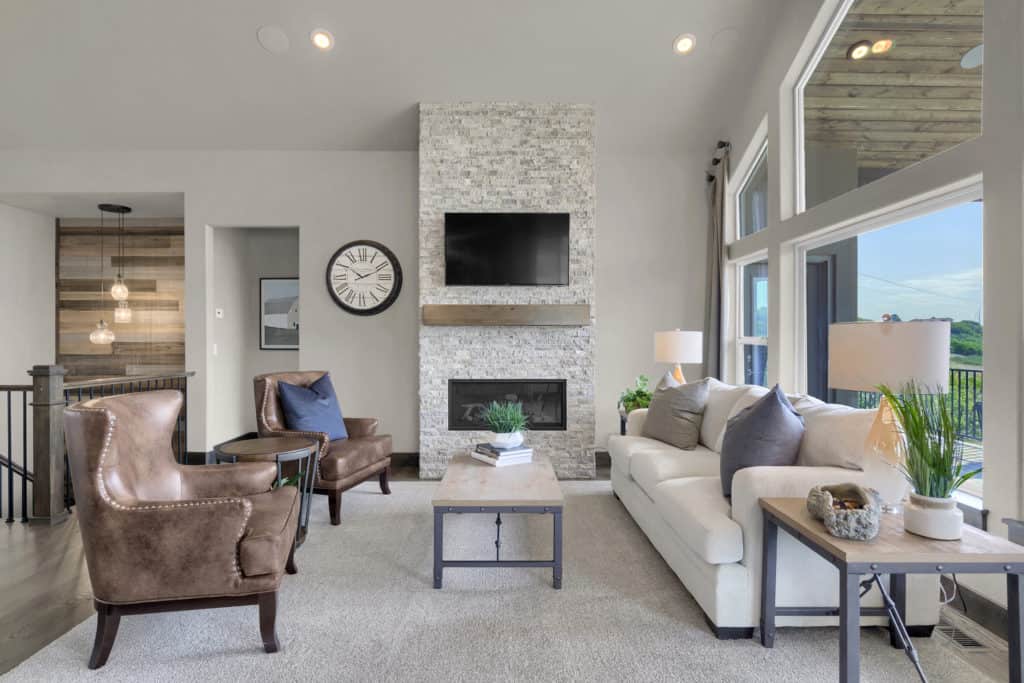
362 609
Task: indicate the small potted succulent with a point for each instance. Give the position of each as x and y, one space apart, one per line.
508 423
933 463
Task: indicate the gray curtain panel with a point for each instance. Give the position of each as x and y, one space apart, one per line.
716 259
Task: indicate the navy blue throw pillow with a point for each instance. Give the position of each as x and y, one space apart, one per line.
313 409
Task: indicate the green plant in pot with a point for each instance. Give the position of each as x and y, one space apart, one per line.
933 463
507 421
637 397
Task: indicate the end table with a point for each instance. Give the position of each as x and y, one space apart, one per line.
279 449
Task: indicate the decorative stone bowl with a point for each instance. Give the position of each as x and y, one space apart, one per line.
847 510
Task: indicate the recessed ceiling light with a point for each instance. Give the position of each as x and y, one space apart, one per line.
880 47
859 50
273 39
322 39
685 44
973 58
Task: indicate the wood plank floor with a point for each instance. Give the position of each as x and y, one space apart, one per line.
44 582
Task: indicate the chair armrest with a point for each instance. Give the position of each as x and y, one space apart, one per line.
361 426
164 550
238 479
752 483
635 422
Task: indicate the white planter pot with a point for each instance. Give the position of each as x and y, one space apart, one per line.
937 518
508 440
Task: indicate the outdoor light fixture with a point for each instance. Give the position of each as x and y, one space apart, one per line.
322 39
859 50
685 44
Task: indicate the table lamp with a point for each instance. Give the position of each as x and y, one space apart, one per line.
864 355
677 347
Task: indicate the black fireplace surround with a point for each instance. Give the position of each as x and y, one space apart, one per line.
543 402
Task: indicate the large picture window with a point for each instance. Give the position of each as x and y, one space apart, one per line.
926 267
752 199
897 83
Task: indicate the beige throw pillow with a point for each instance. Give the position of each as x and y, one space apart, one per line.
675 413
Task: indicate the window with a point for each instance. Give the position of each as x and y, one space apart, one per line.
752 200
926 267
897 83
753 338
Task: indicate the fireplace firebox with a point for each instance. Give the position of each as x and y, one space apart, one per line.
543 401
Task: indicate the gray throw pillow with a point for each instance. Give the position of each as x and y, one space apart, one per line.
766 433
675 414
668 381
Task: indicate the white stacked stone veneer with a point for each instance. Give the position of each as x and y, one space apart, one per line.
507 157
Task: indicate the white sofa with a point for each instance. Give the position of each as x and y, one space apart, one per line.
714 544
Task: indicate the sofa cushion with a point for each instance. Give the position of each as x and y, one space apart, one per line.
745 400
270 531
834 436
675 414
766 433
721 398
696 510
313 408
348 456
652 466
622 448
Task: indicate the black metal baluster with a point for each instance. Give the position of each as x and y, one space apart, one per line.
10 464
24 456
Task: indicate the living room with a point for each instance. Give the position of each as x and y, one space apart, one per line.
452 230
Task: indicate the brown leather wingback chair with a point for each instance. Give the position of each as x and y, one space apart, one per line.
160 536
344 463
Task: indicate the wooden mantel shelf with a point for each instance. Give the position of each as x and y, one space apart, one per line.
568 315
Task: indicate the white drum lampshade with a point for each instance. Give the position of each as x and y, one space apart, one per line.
862 356
677 347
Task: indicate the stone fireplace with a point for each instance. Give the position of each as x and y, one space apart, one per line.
507 157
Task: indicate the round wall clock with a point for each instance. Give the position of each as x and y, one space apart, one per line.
364 277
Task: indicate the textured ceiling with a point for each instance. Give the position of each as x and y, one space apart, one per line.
133 74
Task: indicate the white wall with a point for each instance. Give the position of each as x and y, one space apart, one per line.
242 257
27 297
652 218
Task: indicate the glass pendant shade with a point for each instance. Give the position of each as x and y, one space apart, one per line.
102 334
119 290
123 313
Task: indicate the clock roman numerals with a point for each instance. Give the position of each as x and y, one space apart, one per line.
364 277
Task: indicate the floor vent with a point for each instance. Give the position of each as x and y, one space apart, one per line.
960 639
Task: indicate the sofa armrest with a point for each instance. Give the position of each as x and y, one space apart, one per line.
753 483
361 426
228 479
635 422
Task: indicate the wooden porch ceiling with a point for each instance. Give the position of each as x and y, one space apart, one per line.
909 103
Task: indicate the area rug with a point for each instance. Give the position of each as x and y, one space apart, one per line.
362 608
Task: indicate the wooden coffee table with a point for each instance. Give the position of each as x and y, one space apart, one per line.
470 486
894 552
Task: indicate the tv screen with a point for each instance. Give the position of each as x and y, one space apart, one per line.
506 248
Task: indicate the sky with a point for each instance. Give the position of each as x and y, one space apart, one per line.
925 267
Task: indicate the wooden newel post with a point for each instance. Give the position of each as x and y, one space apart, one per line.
48 443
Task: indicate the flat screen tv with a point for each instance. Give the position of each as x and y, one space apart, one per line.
506 248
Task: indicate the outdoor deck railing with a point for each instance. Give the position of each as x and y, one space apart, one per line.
965 392
31 422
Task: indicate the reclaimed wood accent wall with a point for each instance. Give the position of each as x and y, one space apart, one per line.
154 270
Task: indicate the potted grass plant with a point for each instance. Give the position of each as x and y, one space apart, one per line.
933 462
507 421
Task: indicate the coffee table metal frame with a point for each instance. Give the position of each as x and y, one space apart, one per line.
305 484
555 563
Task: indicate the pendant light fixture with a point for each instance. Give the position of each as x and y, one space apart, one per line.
102 334
119 290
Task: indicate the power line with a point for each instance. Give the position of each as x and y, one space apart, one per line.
916 289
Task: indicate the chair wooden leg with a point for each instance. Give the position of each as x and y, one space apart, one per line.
290 566
334 503
107 621
268 621
385 488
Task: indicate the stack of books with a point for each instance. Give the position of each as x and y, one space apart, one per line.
500 457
